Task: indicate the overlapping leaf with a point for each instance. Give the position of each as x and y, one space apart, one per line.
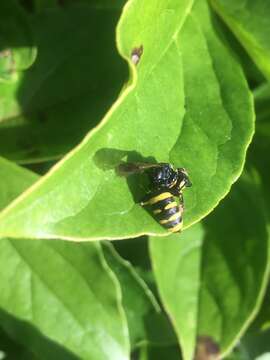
216 274
187 103
63 296
249 20
176 265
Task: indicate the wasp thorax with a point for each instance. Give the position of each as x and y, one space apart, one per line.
163 177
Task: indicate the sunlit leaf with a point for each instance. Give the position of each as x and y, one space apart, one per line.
64 297
206 129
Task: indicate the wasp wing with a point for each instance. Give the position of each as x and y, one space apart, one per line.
126 169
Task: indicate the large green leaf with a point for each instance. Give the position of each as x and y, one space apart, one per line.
52 105
59 294
249 20
188 77
65 291
215 275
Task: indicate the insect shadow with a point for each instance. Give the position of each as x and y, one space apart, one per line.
110 159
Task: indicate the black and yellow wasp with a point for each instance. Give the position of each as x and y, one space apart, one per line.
166 183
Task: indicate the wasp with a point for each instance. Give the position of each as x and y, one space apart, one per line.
166 184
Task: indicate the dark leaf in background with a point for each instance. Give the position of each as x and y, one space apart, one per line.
75 78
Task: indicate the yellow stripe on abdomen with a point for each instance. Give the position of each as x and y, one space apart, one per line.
173 217
176 228
170 205
159 197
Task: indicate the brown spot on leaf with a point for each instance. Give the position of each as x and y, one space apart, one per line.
136 54
206 349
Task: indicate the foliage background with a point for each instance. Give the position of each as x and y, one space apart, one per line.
73 105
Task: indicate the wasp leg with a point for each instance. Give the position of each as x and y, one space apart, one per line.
145 201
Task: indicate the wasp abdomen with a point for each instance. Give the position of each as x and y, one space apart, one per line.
166 210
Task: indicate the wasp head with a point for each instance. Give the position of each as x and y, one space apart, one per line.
183 178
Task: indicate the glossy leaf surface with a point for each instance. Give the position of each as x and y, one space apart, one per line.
63 296
206 131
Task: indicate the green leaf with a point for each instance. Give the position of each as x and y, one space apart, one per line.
251 71
253 346
39 5
135 251
16 50
17 53
100 4
59 291
262 97
159 353
11 350
138 300
176 265
67 90
68 293
156 329
207 131
249 21
10 187
208 277
256 340
262 321
259 151
146 321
